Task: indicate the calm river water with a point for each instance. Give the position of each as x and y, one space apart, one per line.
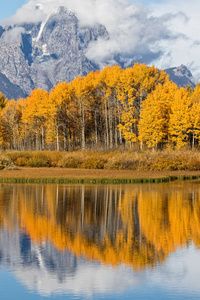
100 242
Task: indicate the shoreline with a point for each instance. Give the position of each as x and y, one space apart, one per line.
92 176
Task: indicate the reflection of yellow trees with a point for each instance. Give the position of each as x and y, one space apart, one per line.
134 225
170 219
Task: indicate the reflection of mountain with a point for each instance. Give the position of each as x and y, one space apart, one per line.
44 269
16 250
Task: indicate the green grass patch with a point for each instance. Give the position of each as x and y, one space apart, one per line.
97 180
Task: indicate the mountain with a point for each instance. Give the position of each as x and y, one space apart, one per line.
181 76
39 55
9 89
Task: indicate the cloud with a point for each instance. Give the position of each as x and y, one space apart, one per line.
179 273
131 28
132 34
12 34
88 280
164 34
185 49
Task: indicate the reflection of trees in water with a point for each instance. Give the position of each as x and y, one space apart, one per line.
137 225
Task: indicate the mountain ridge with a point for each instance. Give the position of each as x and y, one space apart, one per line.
39 55
181 76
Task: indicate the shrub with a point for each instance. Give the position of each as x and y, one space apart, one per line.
94 163
18 155
131 160
70 161
193 164
37 162
21 161
6 163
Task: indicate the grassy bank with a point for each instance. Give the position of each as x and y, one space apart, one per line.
127 160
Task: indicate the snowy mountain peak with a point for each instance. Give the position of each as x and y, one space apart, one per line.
47 52
183 71
181 76
61 9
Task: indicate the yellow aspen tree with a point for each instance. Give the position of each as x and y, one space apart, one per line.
60 114
135 84
109 79
95 122
195 123
155 114
1 131
180 123
195 115
10 117
3 101
82 91
23 136
35 116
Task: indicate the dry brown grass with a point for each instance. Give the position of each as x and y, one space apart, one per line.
138 161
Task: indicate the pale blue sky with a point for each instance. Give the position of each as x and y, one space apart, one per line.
9 7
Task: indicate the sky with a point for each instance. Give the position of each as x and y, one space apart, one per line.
160 32
8 8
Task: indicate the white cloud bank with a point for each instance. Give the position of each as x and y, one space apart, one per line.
186 49
164 34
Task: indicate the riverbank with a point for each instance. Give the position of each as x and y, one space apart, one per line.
64 175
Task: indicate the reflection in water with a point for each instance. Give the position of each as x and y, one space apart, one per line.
49 229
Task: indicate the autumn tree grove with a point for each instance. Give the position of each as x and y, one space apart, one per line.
137 107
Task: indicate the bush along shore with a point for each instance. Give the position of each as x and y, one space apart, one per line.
127 160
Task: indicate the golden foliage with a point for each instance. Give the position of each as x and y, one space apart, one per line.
104 110
155 115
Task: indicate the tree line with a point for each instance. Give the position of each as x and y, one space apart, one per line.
137 106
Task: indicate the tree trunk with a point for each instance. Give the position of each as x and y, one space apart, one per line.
37 135
57 136
43 145
193 140
96 128
82 128
116 132
65 133
110 127
106 121
14 138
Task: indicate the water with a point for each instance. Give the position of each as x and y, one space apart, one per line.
100 242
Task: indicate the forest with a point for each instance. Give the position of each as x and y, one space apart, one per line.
132 108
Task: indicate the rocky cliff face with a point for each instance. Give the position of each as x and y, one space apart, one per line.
181 76
40 55
9 89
